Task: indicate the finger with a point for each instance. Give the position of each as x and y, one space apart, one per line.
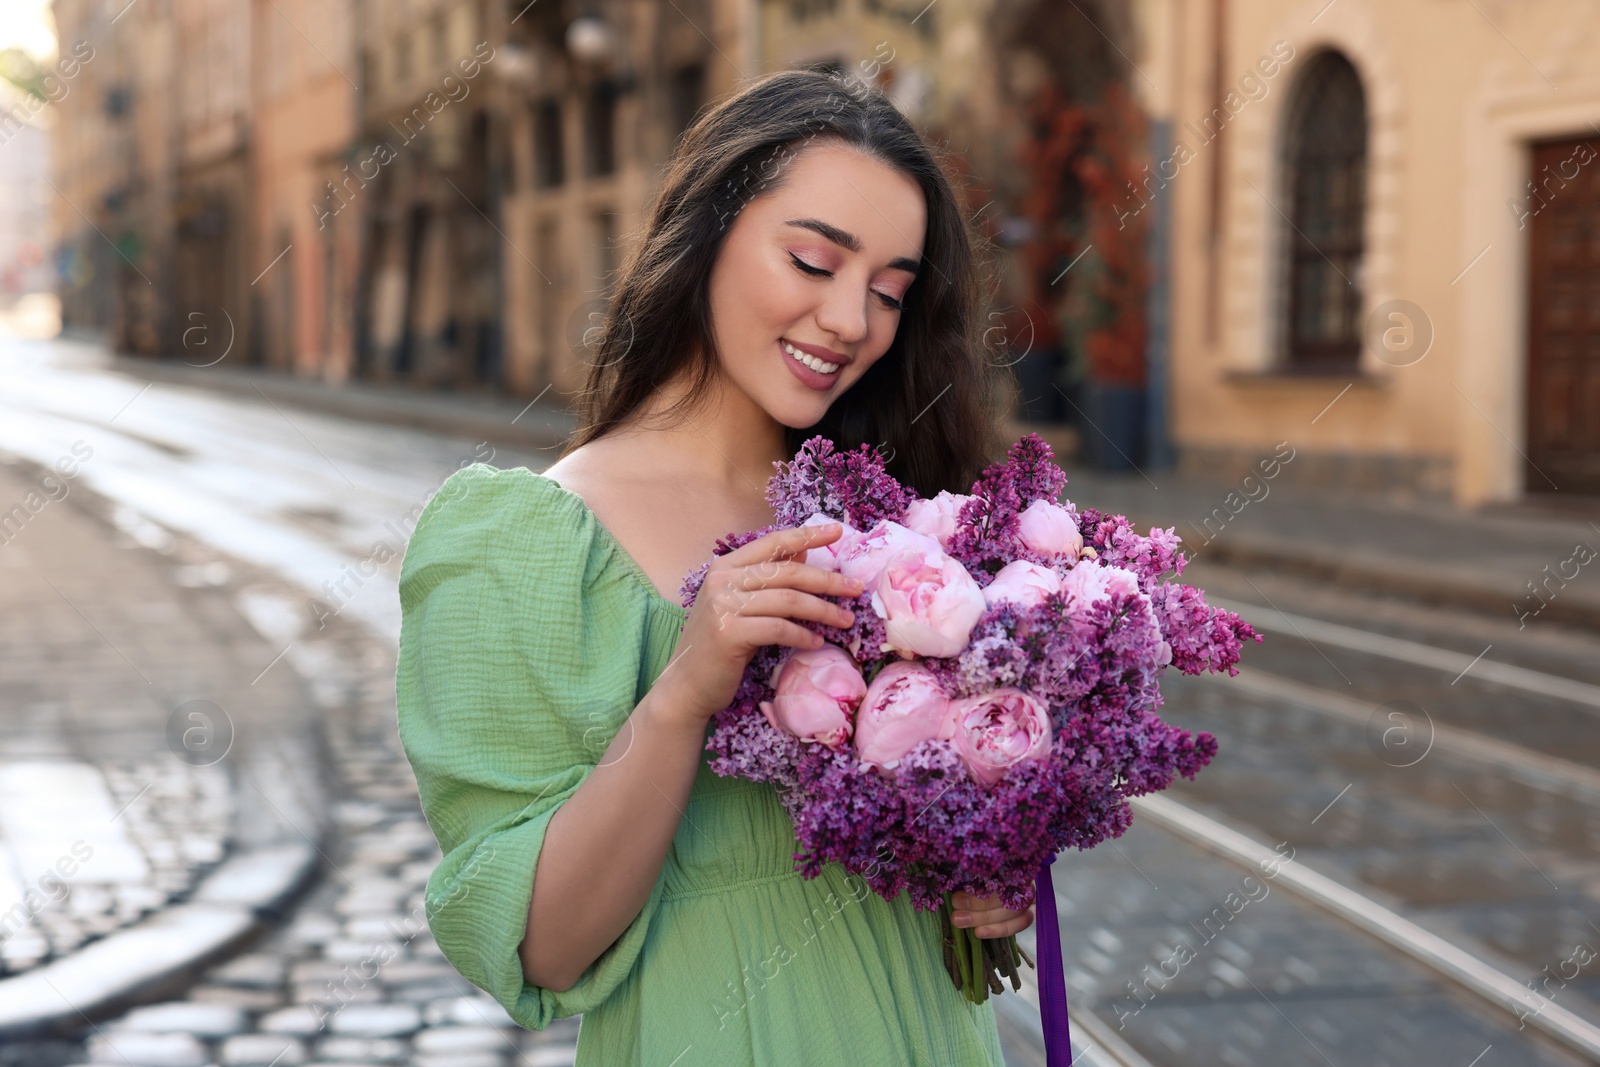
784 544
789 603
1000 922
1016 924
798 575
978 916
768 630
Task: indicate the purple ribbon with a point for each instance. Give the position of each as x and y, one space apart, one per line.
1052 977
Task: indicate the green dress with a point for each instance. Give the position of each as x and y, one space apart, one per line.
528 636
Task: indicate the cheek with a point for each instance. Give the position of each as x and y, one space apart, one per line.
772 296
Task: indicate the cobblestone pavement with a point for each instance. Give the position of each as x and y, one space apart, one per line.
102 649
352 976
1193 961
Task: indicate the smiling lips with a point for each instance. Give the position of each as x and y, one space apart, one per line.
821 360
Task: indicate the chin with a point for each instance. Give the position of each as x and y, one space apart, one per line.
799 415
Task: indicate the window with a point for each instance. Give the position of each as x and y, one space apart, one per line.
687 94
402 58
549 162
606 258
599 133
1325 169
803 10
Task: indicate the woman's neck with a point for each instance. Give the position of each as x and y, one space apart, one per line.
729 440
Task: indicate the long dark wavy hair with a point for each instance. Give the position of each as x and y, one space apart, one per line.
928 404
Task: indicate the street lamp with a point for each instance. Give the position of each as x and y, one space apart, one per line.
591 39
594 42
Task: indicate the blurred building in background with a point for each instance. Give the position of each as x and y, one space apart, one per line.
303 253
115 148
215 202
1387 257
1224 229
25 197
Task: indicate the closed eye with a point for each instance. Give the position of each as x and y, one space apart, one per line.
806 268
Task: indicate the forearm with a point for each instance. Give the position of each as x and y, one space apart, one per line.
604 847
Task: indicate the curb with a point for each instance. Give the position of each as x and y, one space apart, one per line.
154 958
1415 581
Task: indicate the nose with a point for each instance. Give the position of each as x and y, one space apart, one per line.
844 312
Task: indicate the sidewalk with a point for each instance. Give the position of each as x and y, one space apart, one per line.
159 792
251 895
1489 561
480 417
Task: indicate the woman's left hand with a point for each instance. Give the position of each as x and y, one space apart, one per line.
988 917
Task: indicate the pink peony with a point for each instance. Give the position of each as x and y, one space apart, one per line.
827 556
936 517
997 730
1022 583
863 558
1089 582
927 601
817 693
904 707
1049 529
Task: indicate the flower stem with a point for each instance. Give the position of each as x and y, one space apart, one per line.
978 966
959 971
948 940
979 978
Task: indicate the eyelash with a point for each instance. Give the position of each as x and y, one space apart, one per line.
806 268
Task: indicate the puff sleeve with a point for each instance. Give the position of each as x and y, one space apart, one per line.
523 648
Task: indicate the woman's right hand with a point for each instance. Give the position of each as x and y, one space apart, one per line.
750 598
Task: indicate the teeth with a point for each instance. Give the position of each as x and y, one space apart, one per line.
821 366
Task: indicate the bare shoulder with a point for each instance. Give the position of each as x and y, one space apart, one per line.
586 469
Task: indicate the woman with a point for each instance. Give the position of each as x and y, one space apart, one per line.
804 270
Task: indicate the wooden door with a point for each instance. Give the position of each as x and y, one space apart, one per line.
1561 210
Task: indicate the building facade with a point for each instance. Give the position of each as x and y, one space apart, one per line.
114 164
601 93
303 253
1379 245
214 203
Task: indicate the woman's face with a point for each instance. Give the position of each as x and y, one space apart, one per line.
820 265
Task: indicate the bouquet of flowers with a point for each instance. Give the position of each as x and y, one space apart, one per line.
994 700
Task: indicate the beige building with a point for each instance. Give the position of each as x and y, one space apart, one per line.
114 170
1384 253
512 152
600 95
304 252
213 251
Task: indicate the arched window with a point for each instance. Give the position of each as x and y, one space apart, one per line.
1325 171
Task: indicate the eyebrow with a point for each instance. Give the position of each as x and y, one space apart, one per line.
848 240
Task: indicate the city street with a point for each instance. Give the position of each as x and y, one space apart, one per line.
1394 859
1311 285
